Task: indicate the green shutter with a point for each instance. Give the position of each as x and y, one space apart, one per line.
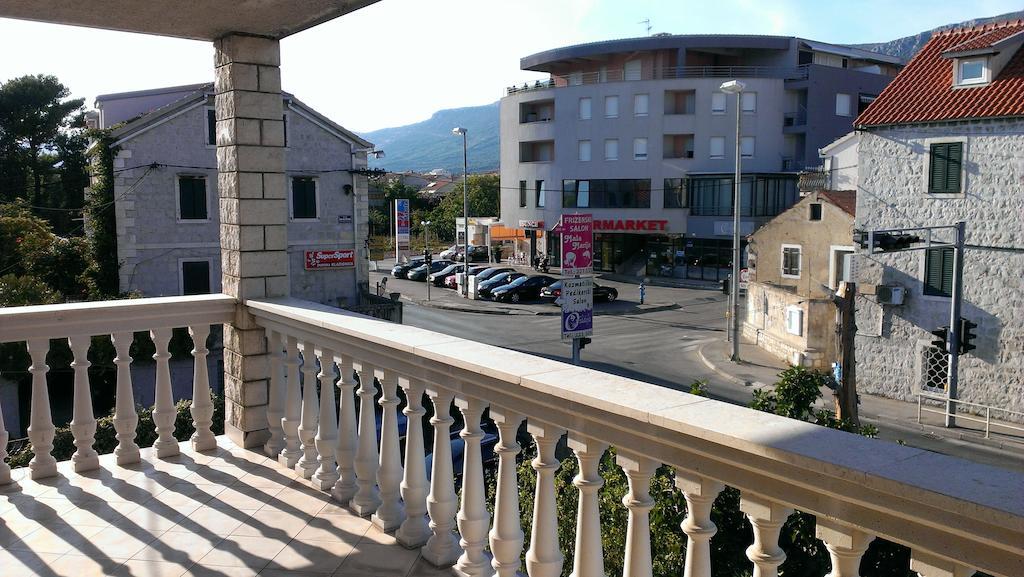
938 272
946 160
954 156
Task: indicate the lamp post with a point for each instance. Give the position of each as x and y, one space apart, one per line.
426 252
735 87
465 208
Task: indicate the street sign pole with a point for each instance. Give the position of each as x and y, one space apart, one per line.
953 343
576 351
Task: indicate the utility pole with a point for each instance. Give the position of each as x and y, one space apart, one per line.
846 392
953 344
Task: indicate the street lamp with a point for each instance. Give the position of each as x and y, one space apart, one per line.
735 87
465 208
426 251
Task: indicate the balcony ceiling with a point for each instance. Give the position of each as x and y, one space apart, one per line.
192 19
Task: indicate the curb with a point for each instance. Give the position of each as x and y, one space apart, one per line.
728 376
518 312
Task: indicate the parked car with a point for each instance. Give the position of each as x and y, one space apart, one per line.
400 270
490 272
453 281
522 289
601 293
451 252
421 272
485 288
440 276
477 253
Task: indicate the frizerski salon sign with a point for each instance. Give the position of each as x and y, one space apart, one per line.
328 259
630 224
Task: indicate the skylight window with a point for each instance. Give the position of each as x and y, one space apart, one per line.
972 71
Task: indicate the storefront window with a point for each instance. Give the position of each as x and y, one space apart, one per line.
760 195
609 193
675 193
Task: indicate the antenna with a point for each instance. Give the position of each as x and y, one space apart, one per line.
647 24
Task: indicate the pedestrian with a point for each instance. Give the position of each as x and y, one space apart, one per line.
643 291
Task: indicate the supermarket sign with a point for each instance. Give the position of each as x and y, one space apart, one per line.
328 259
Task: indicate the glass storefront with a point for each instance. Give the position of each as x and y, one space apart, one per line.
692 258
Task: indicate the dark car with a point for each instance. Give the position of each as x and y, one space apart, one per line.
452 281
485 288
601 293
476 254
488 273
522 289
440 276
400 270
421 272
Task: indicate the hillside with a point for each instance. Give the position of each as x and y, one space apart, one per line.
907 46
430 144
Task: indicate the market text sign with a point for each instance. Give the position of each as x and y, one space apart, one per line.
577 245
402 224
577 307
630 224
327 259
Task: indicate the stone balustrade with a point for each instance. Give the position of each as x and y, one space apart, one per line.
955 516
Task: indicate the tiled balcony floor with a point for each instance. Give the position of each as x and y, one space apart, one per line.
227 513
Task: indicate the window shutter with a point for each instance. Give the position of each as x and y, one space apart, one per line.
944 173
954 154
947 271
937 174
938 272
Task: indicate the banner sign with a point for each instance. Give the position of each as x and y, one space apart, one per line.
327 259
577 307
402 223
577 245
531 224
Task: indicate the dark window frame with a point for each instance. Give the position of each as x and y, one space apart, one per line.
211 127
303 207
938 272
814 211
187 275
608 193
192 202
522 194
676 190
791 261
945 166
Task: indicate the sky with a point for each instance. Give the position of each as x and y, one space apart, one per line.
396 62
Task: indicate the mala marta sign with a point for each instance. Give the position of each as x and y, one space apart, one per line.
327 259
577 245
577 296
402 223
577 307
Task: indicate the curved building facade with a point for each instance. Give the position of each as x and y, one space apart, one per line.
638 133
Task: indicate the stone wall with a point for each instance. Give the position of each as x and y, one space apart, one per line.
815 344
891 340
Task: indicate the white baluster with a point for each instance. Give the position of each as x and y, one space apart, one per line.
391 513
310 411
163 410
367 497
767 518
638 500
5 469
700 493
202 404
125 417
40 429
588 556
442 549
327 431
275 395
846 545
507 534
927 565
415 530
348 437
292 451
83 421
473 519
544 559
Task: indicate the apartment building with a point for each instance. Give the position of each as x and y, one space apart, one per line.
168 218
638 132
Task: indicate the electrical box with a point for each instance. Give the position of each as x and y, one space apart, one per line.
889 295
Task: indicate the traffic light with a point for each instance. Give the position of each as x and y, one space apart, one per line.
967 335
426 256
584 341
886 241
942 334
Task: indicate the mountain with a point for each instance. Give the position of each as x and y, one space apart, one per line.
907 46
430 144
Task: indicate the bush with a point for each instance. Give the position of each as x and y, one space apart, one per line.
106 440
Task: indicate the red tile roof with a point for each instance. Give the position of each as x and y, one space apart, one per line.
844 199
923 91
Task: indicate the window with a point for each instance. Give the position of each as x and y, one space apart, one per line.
748 102
585 104
284 127
677 146
639 149
303 197
211 127
747 147
945 160
584 151
938 271
843 103
539 187
609 193
641 104
522 193
195 277
680 101
576 78
718 103
791 261
972 71
611 149
815 211
192 198
633 70
611 106
760 195
794 320
675 193
717 147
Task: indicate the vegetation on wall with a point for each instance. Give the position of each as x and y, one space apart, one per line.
102 274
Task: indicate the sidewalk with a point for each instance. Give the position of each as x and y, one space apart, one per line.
760 369
452 301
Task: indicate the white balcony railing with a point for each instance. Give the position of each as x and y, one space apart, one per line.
955 516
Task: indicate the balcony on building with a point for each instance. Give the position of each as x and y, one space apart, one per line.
537 111
677 146
537 151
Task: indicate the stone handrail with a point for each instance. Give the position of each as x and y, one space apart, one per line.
955 515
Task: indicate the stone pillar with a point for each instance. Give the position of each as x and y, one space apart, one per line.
846 546
253 216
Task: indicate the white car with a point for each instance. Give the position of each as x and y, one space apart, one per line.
450 252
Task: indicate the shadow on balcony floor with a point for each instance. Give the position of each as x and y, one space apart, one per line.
227 513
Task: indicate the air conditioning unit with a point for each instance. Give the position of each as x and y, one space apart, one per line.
889 295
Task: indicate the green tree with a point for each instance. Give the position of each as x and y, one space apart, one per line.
31 255
483 198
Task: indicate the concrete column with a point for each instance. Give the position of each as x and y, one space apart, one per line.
253 216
